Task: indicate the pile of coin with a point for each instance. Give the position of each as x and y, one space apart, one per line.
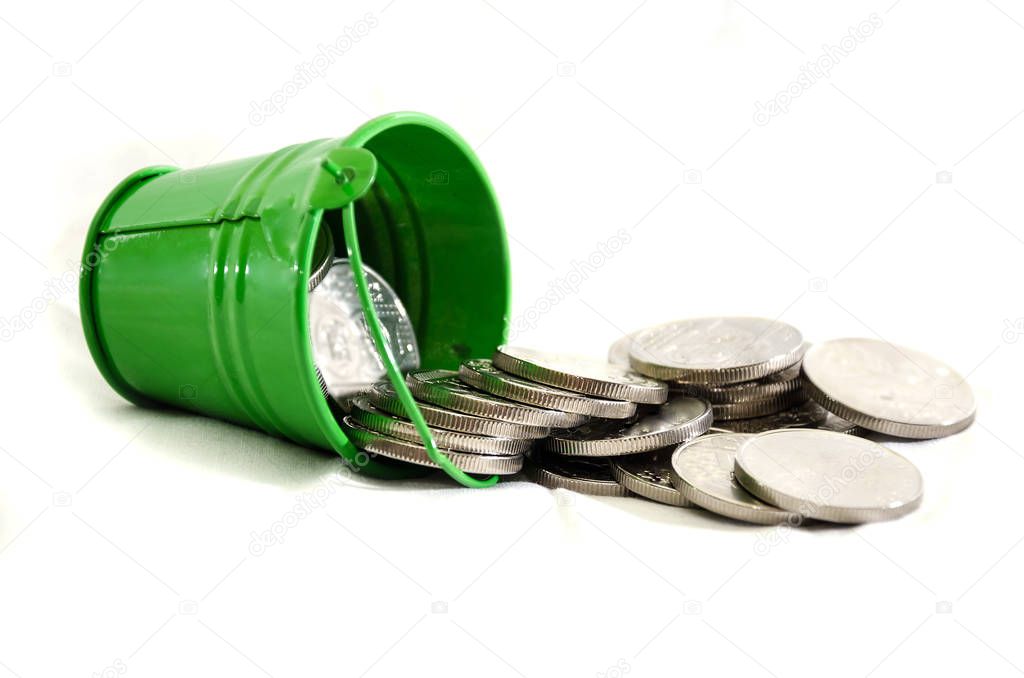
491 412
739 416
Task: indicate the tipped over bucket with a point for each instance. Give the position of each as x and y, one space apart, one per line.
195 285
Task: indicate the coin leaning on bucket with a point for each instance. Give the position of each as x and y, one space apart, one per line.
692 413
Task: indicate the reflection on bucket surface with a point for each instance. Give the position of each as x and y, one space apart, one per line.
343 348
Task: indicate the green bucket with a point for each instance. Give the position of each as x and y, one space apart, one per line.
194 287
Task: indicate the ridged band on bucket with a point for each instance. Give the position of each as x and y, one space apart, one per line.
383 397
586 476
444 388
582 375
404 450
702 472
649 475
716 350
758 408
889 389
828 476
367 415
483 375
680 419
779 384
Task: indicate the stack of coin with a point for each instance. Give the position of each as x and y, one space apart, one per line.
491 412
478 432
749 369
631 452
745 367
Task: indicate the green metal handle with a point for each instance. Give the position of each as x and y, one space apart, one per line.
348 221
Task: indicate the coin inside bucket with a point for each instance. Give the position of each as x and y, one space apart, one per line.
343 347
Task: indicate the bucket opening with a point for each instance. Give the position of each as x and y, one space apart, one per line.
430 226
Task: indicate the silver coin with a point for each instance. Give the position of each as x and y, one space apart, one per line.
323 257
444 388
580 474
343 348
370 417
384 397
483 375
413 453
680 419
829 476
583 375
702 472
716 350
757 408
889 389
781 383
649 475
806 415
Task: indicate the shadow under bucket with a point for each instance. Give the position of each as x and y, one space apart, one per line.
194 290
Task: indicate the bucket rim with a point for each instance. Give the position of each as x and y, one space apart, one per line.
85 285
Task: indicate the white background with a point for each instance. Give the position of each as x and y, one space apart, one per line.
125 534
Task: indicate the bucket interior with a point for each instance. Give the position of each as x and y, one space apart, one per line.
430 226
